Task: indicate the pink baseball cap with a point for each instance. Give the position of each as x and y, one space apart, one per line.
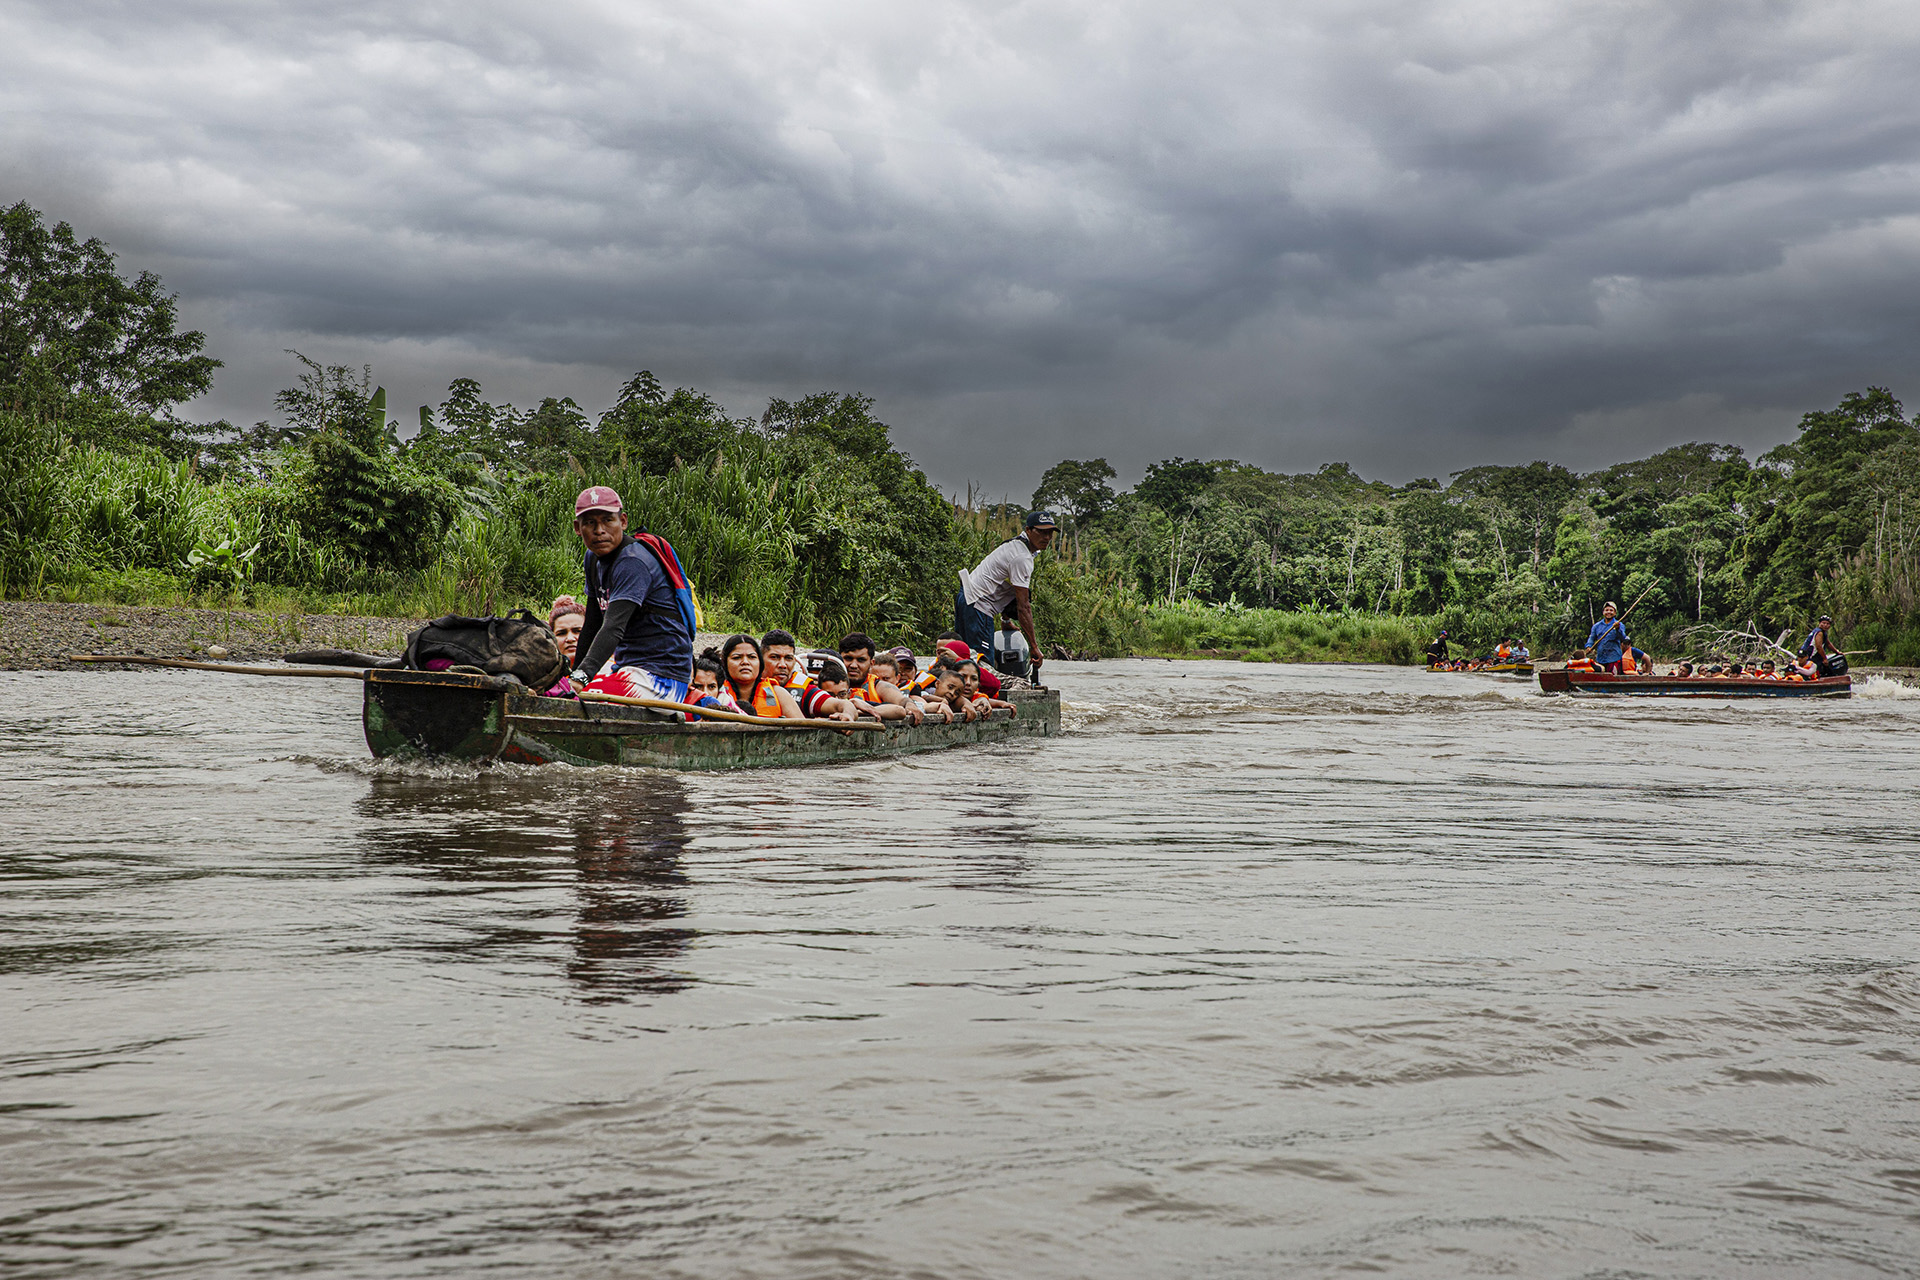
597 498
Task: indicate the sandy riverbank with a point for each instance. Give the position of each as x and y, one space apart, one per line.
38 635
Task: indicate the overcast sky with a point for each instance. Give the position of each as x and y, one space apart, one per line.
1414 236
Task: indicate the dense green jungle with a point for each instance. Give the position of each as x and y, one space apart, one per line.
808 516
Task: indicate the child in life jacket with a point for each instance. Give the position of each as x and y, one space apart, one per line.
970 673
949 687
708 689
826 696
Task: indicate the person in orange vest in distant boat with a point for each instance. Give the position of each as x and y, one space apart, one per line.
1607 641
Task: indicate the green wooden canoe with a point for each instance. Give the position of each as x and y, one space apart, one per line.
474 717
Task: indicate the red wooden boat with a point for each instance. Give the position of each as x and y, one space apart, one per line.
1603 682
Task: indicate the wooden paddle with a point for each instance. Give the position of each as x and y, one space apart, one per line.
736 717
141 659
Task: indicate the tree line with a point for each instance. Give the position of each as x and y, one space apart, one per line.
1697 533
807 515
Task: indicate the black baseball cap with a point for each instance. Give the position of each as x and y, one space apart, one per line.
1041 520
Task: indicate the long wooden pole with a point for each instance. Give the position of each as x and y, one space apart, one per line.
764 722
141 659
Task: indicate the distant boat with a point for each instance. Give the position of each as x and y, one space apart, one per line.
1488 669
1560 680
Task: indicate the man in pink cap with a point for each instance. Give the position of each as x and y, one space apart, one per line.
636 618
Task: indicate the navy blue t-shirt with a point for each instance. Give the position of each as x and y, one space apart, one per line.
656 637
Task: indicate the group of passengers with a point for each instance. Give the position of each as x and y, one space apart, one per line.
1508 652
1765 669
771 678
1611 650
632 636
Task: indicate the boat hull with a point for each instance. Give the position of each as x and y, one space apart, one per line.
1606 683
467 717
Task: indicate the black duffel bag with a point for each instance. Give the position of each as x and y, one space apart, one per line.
518 646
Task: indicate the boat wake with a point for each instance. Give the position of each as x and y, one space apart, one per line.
1885 688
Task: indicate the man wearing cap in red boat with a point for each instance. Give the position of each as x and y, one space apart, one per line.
639 607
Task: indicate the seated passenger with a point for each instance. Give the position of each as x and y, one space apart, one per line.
565 620
1735 671
1503 652
779 652
752 689
1520 653
953 645
905 679
970 672
947 696
824 697
856 652
1767 670
709 688
1683 670
885 670
906 667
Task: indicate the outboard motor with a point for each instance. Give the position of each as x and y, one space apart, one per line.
1011 657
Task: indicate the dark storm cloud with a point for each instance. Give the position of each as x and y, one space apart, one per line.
1417 236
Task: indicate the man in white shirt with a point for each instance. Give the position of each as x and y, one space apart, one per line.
1004 578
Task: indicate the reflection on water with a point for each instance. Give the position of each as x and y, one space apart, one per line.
624 838
1258 971
629 850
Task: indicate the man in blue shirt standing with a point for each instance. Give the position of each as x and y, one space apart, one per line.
633 613
1819 649
1608 641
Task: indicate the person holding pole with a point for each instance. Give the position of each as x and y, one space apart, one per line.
1608 640
1004 578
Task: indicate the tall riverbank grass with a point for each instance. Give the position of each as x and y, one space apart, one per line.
772 536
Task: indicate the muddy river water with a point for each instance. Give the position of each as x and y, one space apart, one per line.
1257 971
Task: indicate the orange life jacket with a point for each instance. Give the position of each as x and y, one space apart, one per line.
764 701
1580 664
